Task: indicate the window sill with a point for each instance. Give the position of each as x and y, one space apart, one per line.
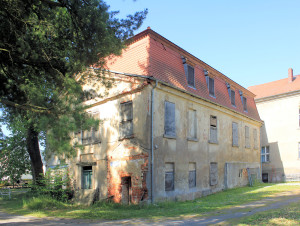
193 139
192 87
127 137
247 147
233 105
169 136
212 142
236 146
213 96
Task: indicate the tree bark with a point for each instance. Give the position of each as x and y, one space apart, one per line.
35 155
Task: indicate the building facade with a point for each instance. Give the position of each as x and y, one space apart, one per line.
278 104
172 127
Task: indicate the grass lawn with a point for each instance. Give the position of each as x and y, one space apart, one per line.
27 204
289 215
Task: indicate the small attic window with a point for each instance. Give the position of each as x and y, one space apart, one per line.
191 76
244 101
189 72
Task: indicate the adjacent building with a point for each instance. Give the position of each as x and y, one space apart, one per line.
278 104
172 127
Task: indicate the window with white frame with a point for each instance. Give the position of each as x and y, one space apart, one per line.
265 154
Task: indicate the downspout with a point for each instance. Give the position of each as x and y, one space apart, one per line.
152 159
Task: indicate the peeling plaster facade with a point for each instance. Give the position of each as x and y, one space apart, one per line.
150 74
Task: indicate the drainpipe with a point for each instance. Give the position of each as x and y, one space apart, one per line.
152 159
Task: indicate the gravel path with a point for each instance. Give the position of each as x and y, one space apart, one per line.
247 209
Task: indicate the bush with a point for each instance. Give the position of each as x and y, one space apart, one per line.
55 184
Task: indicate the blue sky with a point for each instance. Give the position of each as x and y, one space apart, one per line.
251 42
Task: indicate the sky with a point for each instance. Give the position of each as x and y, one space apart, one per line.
251 42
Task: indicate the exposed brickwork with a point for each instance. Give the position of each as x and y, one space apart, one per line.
138 179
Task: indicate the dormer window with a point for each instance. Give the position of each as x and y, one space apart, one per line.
244 101
191 76
231 94
189 72
210 84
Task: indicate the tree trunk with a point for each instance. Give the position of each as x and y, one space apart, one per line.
35 155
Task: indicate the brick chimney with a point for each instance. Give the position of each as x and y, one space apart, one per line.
290 75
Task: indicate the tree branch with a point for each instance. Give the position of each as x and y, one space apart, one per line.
53 4
33 108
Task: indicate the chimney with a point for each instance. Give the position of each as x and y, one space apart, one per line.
290 75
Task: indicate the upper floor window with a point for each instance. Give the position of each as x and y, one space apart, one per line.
265 154
90 136
247 137
213 136
192 124
126 120
170 125
255 139
235 134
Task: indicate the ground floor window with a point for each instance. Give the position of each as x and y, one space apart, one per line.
213 173
192 174
169 176
265 154
87 173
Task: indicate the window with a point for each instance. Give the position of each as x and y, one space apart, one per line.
192 124
190 76
265 154
232 97
91 136
231 94
87 174
169 176
213 136
170 126
126 120
235 134
247 137
192 174
255 139
299 150
244 101
213 173
210 85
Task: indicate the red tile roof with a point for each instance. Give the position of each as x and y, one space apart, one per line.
276 87
151 54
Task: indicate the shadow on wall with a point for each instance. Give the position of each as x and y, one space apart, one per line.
272 166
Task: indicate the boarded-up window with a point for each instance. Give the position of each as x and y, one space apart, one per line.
255 139
192 174
169 176
235 134
213 136
247 137
192 124
170 126
213 173
232 97
126 120
191 76
90 136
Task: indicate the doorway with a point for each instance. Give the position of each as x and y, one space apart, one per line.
126 190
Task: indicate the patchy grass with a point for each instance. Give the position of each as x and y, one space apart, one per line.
289 215
28 204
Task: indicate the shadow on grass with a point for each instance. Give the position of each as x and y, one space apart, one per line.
43 206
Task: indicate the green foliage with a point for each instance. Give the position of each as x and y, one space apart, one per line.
14 159
44 44
43 203
56 185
